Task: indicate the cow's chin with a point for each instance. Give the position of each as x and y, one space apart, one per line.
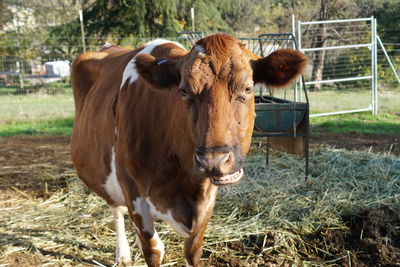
228 179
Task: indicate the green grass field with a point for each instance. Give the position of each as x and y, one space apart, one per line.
36 114
33 107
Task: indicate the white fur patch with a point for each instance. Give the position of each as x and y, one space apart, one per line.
112 186
159 246
142 208
145 208
168 218
106 45
123 253
130 73
200 50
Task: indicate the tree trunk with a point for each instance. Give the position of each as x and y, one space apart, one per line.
320 42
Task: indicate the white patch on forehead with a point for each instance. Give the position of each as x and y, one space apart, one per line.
145 208
200 50
130 72
112 186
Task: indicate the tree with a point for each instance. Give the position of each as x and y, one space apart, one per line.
5 13
387 14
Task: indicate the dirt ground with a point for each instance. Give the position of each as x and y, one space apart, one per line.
373 236
385 144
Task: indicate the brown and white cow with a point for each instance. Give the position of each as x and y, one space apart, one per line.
159 129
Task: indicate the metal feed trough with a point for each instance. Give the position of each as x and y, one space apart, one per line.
284 122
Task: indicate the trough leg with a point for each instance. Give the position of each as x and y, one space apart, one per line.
123 253
267 151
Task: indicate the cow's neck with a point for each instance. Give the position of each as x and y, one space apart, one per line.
156 129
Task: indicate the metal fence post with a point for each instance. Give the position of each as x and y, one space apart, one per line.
82 30
373 64
299 44
376 67
294 35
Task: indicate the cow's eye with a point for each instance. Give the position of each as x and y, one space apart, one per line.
249 90
183 93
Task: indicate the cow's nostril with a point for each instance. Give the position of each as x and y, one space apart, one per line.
214 163
200 160
227 159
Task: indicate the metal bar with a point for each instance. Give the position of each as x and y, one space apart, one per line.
335 21
388 58
376 68
307 144
336 47
341 112
372 67
341 80
300 49
294 36
293 26
82 30
267 153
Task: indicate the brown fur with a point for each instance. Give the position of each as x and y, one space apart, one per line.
280 68
173 110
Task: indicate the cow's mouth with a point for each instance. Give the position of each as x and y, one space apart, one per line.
228 179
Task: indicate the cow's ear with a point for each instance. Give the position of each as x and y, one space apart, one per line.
159 73
279 68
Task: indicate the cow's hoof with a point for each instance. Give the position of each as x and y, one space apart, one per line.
124 261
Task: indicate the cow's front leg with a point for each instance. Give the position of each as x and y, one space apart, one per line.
204 209
193 249
149 242
123 253
193 244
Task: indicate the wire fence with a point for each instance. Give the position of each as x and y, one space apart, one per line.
28 65
346 58
387 79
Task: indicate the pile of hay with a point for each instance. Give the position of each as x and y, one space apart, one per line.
272 217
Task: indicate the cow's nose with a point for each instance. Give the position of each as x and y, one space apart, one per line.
214 163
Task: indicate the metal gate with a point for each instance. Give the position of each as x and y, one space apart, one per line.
343 57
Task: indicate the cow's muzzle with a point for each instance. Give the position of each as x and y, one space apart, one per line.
221 164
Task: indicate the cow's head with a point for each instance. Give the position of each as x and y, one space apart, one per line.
216 80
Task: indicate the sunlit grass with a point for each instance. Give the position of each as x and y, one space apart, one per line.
331 100
35 114
60 126
35 107
381 124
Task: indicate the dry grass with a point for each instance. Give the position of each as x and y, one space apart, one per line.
58 222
